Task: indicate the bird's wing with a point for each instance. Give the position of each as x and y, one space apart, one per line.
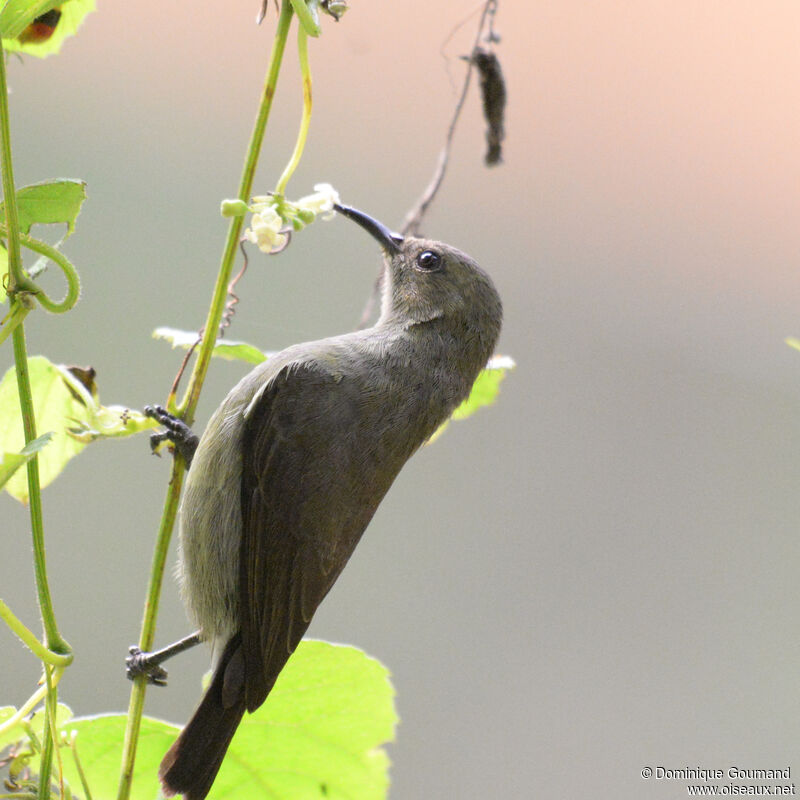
307 496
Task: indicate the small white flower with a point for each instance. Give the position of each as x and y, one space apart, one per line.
321 202
265 229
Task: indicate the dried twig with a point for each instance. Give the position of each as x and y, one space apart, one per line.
227 318
414 217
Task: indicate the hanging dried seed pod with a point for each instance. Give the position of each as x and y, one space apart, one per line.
493 92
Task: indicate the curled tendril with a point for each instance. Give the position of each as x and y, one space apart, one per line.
287 233
29 287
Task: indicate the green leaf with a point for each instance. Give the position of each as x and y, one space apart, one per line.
319 735
35 723
48 203
110 422
54 404
224 348
320 732
99 747
11 462
65 402
17 16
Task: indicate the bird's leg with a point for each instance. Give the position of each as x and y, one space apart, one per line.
149 664
177 432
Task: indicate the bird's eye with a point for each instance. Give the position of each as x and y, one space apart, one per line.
428 260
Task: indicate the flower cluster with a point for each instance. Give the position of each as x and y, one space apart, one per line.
274 218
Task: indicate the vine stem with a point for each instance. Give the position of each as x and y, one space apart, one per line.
189 403
53 638
18 282
305 71
16 278
50 748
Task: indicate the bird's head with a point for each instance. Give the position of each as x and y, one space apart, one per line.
428 280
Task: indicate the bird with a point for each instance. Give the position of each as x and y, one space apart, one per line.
291 468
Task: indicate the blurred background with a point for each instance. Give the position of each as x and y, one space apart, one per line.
595 575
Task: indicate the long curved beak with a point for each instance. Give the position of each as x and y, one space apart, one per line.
389 240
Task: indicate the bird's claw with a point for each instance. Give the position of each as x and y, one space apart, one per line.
156 439
177 432
138 663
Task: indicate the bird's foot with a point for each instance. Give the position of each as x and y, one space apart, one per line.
177 432
140 663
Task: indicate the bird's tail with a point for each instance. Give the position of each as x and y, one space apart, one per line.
192 763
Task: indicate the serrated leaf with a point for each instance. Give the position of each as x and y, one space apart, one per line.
55 401
99 747
224 348
17 16
66 406
11 462
48 203
319 734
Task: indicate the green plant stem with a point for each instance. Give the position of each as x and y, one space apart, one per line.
17 281
24 633
49 734
305 71
81 774
189 403
16 278
46 765
210 332
136 703
53 638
